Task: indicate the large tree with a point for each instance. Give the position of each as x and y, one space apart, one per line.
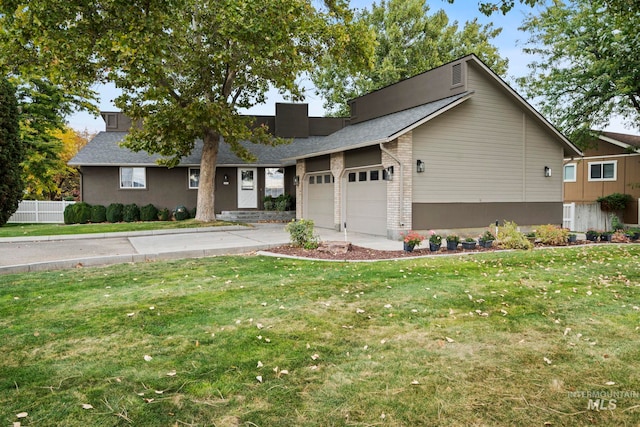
588 68
410 40
11 153
186 67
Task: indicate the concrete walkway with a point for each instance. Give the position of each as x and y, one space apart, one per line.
25 254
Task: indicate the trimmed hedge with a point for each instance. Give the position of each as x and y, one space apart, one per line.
164 215
148 213
78 213
114 212
131 213
181 213
98 213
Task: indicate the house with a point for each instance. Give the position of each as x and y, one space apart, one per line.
454 147
610 165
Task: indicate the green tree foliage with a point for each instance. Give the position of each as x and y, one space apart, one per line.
11 153
503 6
186 67
409 41
589 68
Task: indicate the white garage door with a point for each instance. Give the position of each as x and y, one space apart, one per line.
319 190
366 202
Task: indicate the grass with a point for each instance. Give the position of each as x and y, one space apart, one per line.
490 339
23 230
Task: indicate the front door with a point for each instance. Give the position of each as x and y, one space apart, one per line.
247 188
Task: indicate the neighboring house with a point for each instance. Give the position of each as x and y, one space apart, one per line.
611 164
452 148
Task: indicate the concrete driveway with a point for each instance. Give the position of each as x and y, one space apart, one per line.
19 255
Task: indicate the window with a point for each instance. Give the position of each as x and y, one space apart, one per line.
352 177
274 182
327 179
602 171
133 178
194 178
312 179
570 173
362 176
374 175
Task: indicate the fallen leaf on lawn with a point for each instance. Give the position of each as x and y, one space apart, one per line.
415 382
159 391
87 406
259 378
449 339
388 306
547 360
16 424
610 383
260 365
589 293
131 314
267 340
152 308
171 373
315 356
147 358
148 400
284 372
567 330
359 311
22 415
259 325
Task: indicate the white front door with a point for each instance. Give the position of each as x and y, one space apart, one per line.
247 188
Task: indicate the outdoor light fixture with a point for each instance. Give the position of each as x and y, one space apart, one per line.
419 166
296 180
547 171
225 179
389 173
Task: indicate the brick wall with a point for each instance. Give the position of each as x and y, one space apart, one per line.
337 167
399 217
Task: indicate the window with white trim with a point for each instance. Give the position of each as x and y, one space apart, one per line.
274 182
194 178
570 172
603 171
133 178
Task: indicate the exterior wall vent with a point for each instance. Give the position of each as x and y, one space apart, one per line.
111 120
456 74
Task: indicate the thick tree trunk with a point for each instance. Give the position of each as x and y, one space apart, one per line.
205 209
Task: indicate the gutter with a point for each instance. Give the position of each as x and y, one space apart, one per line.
401 196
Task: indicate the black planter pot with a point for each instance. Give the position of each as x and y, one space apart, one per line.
592 237
452 246
434 247
572 238
408 247
486 243
468 245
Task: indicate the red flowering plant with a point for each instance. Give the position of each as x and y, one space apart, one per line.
413 238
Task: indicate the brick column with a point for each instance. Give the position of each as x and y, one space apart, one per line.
300 171
399 215
337 166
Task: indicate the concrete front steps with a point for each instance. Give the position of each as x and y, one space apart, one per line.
256 216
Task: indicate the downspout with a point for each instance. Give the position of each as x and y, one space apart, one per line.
401 196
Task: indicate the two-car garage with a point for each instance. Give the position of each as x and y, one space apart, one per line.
364 207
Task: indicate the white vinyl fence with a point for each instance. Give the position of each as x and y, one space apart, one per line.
40 211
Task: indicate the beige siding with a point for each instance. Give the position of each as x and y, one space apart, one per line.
476 152
542 151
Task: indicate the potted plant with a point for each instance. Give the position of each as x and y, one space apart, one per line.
435 241
572 238
486 240
531 236
452 242
468 243
605 236
592 235
411 240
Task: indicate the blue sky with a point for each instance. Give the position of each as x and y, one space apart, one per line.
510 44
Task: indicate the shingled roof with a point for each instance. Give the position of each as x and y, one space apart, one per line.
105 150
630 140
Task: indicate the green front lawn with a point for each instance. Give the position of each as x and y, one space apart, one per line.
22 230
512 338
